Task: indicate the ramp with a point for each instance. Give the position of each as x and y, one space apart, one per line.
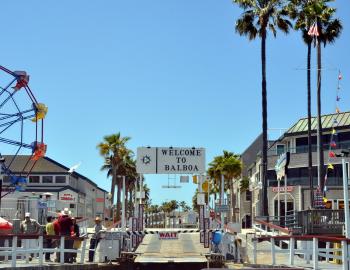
185 249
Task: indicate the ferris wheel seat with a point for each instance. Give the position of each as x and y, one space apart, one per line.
22 80
41 111
39 150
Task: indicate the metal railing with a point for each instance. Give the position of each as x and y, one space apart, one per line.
321 221
11 248
313 253
304 148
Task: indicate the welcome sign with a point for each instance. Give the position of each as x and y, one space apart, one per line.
170 160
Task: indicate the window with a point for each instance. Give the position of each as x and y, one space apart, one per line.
60 179
279 149
47 179
34 179
6 179
72 205
248 195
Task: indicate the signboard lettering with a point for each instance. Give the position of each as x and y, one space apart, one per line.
282 189
67 197
170 160
168 235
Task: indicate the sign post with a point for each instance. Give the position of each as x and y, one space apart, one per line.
201 223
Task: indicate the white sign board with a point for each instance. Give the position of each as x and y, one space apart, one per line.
170 160
200 198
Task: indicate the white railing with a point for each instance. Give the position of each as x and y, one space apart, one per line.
24 251
308 255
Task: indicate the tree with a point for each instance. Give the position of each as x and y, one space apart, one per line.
297 9
184 206
308 14
329 30
260 16
115 155
230 166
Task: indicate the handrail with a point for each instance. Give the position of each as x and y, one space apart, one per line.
15 250
273 226
304 237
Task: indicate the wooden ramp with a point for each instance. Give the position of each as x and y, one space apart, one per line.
185 249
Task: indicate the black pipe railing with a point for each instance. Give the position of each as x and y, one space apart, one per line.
320 221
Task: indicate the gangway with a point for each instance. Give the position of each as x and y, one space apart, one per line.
185 249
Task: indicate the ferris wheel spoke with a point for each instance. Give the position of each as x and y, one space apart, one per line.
10 123
12 142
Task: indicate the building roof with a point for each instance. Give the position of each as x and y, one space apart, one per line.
328 121
44 165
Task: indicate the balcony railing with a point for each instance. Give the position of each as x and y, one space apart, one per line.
320 221
304 148
304 181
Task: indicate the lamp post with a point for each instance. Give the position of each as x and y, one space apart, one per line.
344 154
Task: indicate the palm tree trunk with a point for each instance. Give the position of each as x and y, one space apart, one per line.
311 184
112 193
126 199
232 214
130 200
118 199
319 123
265 208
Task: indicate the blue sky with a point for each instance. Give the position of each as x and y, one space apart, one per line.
166 73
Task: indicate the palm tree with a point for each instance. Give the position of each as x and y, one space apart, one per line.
114 152
260 16
230 166
297 9
329 30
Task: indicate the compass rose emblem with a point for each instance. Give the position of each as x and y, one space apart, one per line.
146 159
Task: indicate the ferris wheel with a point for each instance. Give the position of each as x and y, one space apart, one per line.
21 128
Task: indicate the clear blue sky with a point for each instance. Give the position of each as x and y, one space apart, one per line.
166 73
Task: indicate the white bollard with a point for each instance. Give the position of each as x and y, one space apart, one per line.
255 252
315 253
273 253
291 250
61 250
6 244
344 246
327 251
83 250
40 250
14 253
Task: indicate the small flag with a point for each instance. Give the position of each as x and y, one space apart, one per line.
330 167
338 98
331 154
333 131
194 178
340 76
333 144
313 31
337 110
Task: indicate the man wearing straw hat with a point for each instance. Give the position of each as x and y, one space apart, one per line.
95 238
